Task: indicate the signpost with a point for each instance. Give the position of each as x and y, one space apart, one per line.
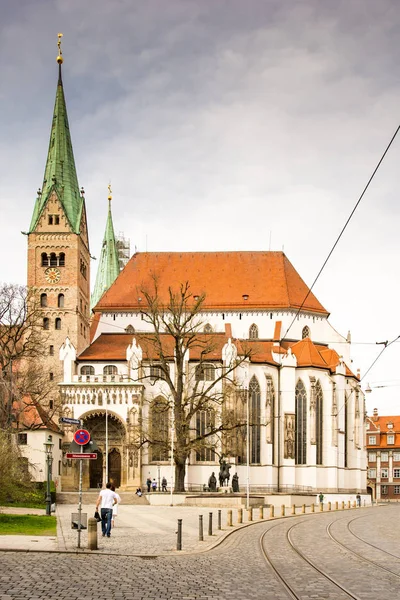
69 421
82 442
82 437
89 455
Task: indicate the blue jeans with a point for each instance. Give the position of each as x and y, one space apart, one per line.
106 516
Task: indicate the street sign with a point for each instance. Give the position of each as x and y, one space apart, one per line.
69 421
90 455
82 437
91 446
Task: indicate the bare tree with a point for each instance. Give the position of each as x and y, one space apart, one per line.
200 393
23 384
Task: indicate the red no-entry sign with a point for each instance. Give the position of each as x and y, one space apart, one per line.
82 437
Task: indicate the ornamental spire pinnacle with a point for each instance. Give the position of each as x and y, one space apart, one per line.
108 269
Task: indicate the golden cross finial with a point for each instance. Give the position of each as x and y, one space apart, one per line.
109 192
60 59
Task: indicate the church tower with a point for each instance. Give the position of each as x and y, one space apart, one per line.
58 244
108 269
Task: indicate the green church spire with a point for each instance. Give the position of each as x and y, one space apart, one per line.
108 269
60 173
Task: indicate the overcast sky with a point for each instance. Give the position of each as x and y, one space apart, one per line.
222 125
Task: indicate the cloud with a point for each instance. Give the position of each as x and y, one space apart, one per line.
221 125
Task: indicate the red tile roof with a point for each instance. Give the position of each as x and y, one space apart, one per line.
113 346
267 279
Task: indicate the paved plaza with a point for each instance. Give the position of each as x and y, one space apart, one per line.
367 562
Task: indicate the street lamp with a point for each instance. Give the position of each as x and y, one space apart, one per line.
48 447
245 394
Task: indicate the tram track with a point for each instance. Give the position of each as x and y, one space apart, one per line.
288 586
357 554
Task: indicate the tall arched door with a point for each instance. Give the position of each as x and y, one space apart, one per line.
114 467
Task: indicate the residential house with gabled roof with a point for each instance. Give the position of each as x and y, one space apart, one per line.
383 453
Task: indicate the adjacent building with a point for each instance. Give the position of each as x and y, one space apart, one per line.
383 448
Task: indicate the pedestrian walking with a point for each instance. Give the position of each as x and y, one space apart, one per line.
358 498
106 500
164 485
115 507
148 483
154 485
321 498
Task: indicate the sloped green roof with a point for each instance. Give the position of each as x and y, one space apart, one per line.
60 173
108 269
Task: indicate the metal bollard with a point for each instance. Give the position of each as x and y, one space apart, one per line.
354 504
303 509
336 505
349 504
313 507
240 515
201 536
329 505
210 515
179 538
271 511
261 513
229 518
293 509
219 519
342 504
92 534
321 507
282 510
249 514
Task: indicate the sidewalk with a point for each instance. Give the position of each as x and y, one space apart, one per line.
145 530
139 530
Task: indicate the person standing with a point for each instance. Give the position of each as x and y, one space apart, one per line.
107 498
154 485
115 507
321 498
164 485
148 483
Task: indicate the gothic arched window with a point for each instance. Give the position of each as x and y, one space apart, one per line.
254 400
61 259
60 301
57 323
205 423
205 372
253 332
158 372
159 426
306 333
130 329
319 421
45 259
301 424
87 370
46 323
43 300
207 328
110 370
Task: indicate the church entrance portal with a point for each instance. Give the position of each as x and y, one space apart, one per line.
114 467
95 423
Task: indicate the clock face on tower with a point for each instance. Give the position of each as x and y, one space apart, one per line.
52 274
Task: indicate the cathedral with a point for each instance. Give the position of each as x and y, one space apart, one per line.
300 405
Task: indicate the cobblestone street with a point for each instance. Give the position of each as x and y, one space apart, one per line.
235 569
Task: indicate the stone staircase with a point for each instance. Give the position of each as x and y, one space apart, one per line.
91 497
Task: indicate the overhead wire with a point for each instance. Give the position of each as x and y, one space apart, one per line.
343 229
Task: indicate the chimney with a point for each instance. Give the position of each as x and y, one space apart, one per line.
375 415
